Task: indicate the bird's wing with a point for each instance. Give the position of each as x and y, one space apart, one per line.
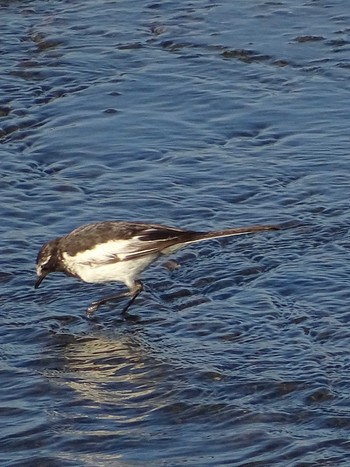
150 241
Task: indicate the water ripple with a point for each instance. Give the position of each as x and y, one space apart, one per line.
202 115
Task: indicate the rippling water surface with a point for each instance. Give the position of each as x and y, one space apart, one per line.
203 115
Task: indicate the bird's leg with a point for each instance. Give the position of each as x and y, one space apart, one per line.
95 305
132 292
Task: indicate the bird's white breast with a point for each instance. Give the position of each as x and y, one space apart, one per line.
105 263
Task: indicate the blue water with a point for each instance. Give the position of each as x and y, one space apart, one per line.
202 115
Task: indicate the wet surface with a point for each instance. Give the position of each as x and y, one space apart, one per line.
203 115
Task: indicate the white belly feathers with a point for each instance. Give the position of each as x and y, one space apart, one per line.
105 263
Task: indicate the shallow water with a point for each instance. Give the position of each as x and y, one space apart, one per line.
203 115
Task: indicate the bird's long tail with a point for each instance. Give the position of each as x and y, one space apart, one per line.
199 236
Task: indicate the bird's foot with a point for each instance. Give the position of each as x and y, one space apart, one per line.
90 310
133 293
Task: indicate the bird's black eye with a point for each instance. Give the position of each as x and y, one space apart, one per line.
49 265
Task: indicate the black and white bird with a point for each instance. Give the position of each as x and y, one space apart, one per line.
120 251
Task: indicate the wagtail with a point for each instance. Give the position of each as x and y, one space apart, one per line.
120 251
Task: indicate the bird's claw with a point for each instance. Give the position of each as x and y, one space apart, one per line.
91 309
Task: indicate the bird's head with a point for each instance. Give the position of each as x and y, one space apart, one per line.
46 261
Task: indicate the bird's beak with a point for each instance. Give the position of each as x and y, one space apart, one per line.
39 280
